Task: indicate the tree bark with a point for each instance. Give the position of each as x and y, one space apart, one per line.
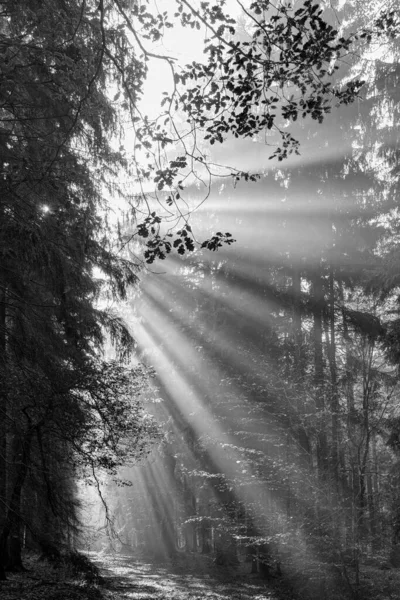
3 426
302 436
330 337
297 333
364 449
12 519
334 393
322 450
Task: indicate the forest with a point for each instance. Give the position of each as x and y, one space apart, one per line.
199 299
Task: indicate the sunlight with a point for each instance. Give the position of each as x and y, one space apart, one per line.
187 380
199 299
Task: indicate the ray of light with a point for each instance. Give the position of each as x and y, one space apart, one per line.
228 457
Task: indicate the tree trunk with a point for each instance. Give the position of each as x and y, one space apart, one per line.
189 501
395 515
205 532
364 450
371 507
3 429
322 451
352 482
302 436
334 393
12 520
3 407
375 495
297 333
14 554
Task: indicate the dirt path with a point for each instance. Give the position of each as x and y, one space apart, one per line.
125 578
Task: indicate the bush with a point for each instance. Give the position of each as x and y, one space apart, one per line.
81 565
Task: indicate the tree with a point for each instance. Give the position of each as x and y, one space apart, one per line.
283 68
52 238
59 133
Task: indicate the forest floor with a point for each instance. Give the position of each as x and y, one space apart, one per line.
125 578
183 578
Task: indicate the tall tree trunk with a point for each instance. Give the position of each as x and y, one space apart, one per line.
189 500
3 418
375 495
352 482
302 436
371 505
330 335
205 532
297 333
364 447
12 520
334 384
322 450
395 514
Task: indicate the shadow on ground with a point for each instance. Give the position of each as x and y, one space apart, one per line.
126 578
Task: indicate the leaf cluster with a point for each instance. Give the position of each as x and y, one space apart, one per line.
282 71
